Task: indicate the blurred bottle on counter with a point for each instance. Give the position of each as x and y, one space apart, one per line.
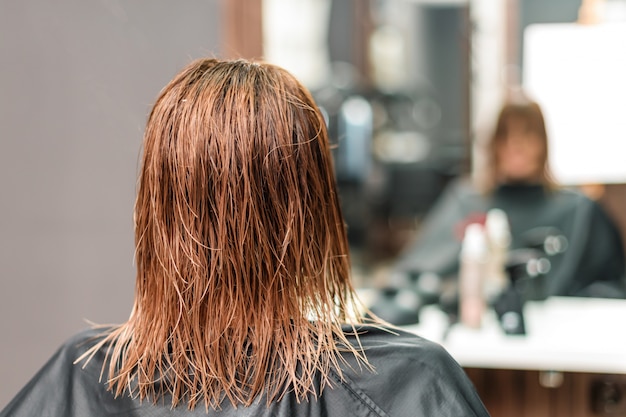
499 239
473 262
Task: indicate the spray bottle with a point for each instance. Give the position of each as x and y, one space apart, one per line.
474 254
499 240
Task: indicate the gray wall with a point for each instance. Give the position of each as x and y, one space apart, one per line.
77 78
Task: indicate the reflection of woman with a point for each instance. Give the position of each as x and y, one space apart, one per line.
519 182
243 290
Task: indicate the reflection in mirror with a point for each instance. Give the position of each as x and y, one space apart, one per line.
421 158
399 118
434 77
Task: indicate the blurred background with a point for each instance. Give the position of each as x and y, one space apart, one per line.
410 89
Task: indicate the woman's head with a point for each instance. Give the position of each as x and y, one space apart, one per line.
241 251
518 149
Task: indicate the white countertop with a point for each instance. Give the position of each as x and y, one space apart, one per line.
563 334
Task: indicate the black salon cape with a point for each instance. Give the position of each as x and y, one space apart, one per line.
592 265
413 377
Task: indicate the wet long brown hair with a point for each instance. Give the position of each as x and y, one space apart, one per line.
243 273
517 107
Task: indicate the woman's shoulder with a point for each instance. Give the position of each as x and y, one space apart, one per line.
570 194
410 375
373 335
64 386
76 347
573 201
381 344
395 354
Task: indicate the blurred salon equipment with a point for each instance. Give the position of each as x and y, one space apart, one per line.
533 349
490 275
399 306
388 166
